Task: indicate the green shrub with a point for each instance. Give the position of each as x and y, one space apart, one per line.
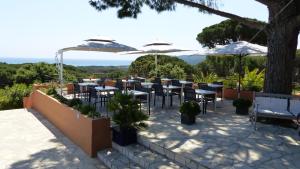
201 78
126 110
74 102
231 81
253 80
190 108
12 97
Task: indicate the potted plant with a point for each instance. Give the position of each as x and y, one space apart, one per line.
188 111
242 106
128 116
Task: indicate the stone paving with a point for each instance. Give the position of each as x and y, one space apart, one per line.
222 139
27 140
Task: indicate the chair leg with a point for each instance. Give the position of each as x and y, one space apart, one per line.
171 101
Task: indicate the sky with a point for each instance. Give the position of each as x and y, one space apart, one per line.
35 28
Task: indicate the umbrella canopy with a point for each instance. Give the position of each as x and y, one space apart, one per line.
238 48
100 45
158 47
96 44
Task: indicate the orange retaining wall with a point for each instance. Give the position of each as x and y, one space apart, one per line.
91 135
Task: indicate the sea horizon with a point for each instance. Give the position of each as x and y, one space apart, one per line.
73 62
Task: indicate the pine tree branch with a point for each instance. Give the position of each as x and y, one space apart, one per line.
247 21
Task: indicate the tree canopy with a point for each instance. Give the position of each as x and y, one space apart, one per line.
167 66
282 30
229 31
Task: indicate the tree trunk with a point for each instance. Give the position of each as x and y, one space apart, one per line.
282 46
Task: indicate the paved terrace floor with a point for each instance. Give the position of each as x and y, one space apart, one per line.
27 140
223 139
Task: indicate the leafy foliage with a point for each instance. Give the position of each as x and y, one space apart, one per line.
167 66
231 81
226 65
126 111
201 78
253 80
190 108
12 97
229 31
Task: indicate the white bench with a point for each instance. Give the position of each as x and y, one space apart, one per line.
275 106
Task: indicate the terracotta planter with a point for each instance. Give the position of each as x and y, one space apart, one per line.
230 94
27 102
70 88
90 134
247 95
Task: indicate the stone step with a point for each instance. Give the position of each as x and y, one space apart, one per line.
181 159
146 158
115 160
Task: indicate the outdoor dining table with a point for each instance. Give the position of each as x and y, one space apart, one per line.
85 85
129 81
147 85
217 86
90 80
105 89
169 88
140 93
165 80
202 93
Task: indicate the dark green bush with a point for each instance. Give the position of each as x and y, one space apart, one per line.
190 108
242 103
12 97
74 102
126 110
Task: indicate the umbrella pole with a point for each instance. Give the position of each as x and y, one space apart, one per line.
240 71
61 74
156 64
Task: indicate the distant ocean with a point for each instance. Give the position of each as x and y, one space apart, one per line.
74 62
192 59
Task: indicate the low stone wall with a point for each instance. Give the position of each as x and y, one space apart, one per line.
91 135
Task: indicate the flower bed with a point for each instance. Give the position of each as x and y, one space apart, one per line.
90 134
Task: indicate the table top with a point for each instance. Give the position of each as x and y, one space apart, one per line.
184 82
171 87
90 80
107 88
136 92
215 85
87 84
166 79
204 92
129 80
147 83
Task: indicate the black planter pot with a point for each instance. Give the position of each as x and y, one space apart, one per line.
187 120
242 110
124 136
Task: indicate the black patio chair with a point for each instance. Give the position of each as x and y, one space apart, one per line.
177 92
77 91
159 92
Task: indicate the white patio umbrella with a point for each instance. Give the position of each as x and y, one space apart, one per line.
240 49
158 47
96 44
